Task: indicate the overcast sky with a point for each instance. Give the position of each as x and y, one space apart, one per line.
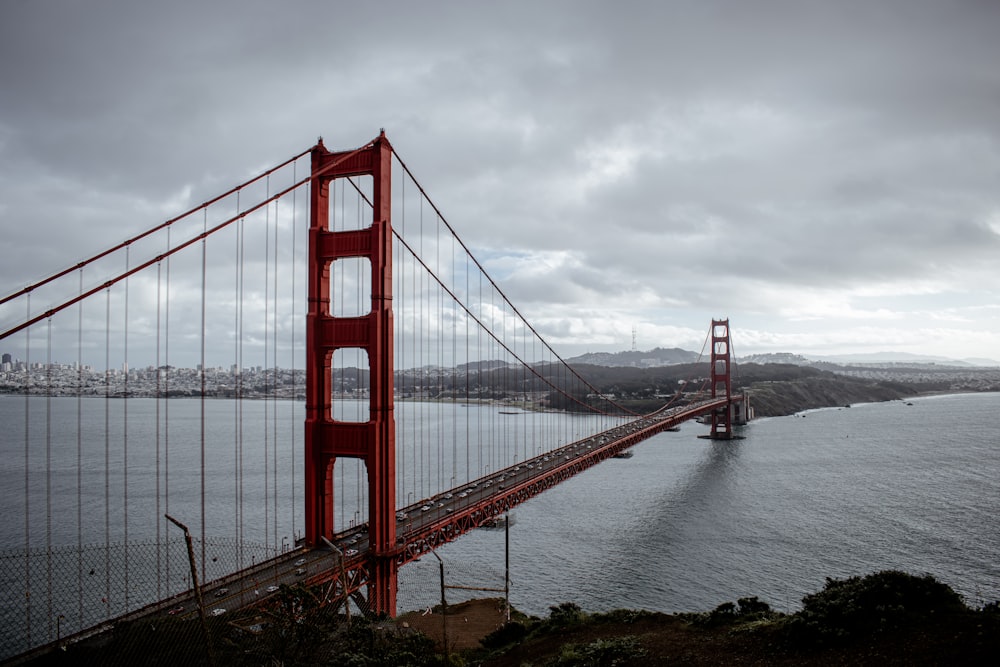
825 174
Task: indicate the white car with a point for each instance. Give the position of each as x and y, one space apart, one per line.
218 611
351 552
300 562
272 589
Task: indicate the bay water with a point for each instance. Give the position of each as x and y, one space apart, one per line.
683 525
687 523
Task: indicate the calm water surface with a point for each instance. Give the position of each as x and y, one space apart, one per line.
686 523
683 525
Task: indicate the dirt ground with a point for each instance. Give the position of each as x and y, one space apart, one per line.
465 623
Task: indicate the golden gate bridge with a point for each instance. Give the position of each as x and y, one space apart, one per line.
328 291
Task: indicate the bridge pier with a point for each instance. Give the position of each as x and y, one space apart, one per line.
742 411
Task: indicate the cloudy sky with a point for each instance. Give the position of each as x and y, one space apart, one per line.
825 174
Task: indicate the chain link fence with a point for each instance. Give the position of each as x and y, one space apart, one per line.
133 602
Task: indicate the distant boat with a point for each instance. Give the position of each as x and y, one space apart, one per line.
627 454
509 412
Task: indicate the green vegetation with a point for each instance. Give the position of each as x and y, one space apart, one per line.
600 652
880 603
888 617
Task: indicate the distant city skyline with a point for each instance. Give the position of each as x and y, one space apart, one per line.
12 363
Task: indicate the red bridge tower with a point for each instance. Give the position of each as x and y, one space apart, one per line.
722 382
326 439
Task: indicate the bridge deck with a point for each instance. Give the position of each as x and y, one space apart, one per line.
431 522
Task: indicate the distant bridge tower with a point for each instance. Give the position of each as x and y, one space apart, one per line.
722 383
326 439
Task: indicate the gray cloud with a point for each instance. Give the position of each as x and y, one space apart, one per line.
696 158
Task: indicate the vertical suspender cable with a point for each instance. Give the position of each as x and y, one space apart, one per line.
295 314
126 369
48 471
400 342
79 459
267 305
204 271
166 404
397 258
468 439
27 475
424 441
238 519
454 387
156 431
479 381
107 454
240 302
440 363
414 407
274 389
502 371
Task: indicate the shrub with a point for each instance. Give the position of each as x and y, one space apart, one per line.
566 613
862 606
600 653
744 610
754 605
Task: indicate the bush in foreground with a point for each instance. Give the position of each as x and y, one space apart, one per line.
878 603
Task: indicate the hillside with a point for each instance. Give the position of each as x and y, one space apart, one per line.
637 358
886 618
775 389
